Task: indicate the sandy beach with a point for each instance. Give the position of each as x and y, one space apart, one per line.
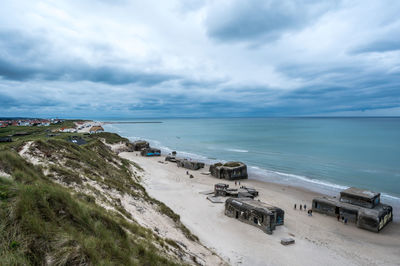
320 239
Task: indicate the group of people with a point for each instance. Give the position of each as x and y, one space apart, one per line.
301 207
190 175
344 220
237 182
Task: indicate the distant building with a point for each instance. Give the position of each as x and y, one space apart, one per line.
67 130
96 129
44 124
24 123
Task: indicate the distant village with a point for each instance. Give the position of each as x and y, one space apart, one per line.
80 126
30 122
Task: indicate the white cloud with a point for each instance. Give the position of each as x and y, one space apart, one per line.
123 54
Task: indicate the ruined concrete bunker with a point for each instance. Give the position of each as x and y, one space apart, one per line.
257 213
188 164
360 206
150 152
170 158
140 145
222 189
229 170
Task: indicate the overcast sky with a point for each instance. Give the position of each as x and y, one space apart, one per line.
197 58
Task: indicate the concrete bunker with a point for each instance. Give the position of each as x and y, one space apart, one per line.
192 165
257 213
78 140
360 197
6 139
140 145
360 206
150 152
222 189
229 170
170 158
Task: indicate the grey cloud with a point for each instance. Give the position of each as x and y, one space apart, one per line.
23 58
196 83
37 101
76 65
266 20
11 71
80 72
115 76
7 101
379 46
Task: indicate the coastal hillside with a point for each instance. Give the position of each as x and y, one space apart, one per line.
65 204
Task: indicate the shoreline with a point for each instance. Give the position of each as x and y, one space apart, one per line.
320 239
131 122
320 187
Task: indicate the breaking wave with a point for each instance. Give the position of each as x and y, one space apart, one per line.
237 150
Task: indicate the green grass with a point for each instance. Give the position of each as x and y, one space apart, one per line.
41 221
232 164
110 138
38 133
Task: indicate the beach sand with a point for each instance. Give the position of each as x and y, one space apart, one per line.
320 239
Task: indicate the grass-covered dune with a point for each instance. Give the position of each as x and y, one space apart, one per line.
42 223
62 204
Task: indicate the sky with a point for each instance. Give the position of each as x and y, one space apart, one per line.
199 58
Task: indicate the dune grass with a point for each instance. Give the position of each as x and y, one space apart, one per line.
95 158
43 223
110 138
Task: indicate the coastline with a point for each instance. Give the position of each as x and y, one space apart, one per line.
317 186
319 239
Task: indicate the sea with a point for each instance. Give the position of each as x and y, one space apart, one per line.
325 155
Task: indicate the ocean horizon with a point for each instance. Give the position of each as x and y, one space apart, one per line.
323 154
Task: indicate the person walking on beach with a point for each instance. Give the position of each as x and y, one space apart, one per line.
338 217
345 220
305 207
235 183
301 207
295 206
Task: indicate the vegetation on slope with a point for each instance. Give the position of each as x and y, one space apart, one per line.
42 223
100 164
110 138
35 132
